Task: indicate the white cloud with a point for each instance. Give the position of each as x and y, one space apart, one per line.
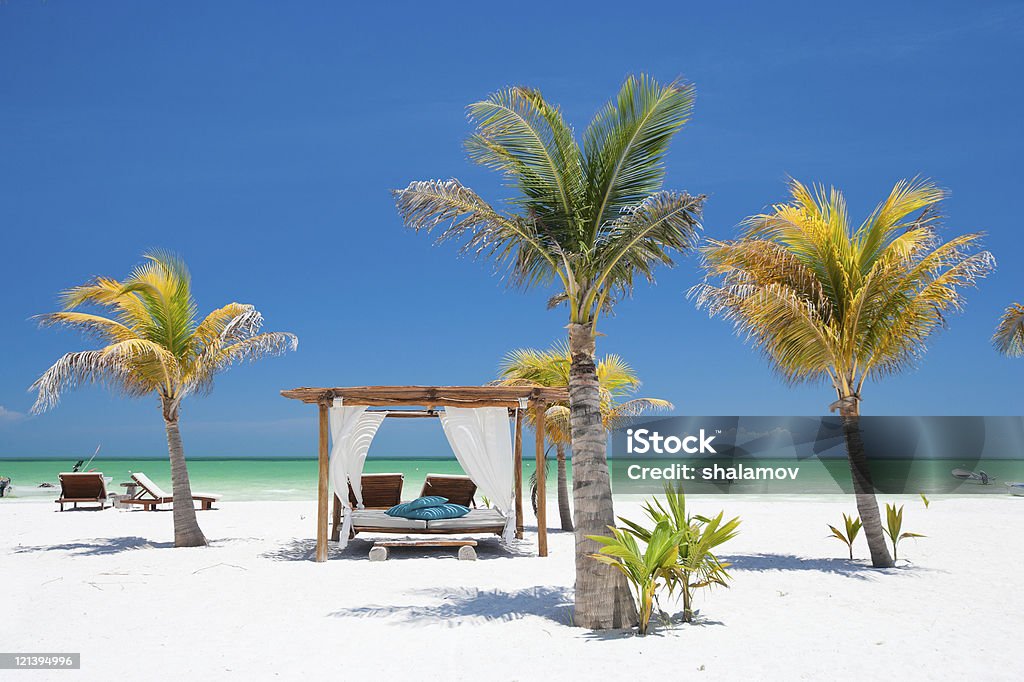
7 416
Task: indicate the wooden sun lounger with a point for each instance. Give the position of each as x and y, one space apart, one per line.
150 495
380 491
82 487
458 489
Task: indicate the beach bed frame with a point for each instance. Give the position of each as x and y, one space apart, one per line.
399 400
467 548
383 491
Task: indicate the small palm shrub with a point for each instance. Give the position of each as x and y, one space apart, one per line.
853 526
697 566
894 527
648 570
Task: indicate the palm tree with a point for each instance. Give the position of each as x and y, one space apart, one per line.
825 301
153 345
590 218
551 368
1009 336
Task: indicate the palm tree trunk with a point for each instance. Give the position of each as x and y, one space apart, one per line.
563 490
603 600
186 529
867 504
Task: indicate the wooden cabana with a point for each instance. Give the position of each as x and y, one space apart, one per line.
428 399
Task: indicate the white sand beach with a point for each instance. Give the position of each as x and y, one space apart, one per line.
109 585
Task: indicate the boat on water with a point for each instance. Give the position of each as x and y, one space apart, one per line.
977 476
1015 488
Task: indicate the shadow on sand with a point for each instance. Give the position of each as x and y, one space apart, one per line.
98 546
860 569
466 605
303 549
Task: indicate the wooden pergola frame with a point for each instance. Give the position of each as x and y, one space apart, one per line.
429 398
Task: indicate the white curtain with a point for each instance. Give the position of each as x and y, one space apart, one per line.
482 441
352 431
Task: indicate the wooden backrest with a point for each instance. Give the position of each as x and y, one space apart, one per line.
458 489
83 485
380 491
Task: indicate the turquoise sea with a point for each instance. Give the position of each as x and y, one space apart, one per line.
296 479
236 479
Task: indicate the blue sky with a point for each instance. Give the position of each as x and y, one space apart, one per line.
260 140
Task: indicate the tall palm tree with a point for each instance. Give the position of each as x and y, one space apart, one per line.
825 301
591 219
1009 336
551 368
154 345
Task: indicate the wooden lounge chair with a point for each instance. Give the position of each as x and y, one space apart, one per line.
458 489
150 495
380 491
85 487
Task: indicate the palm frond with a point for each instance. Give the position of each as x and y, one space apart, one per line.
85 367
109 293
888 221
232 322
163 283
1009 336
620 415
615 375
643 237
200 374
102 328
625 146
526 138
514 243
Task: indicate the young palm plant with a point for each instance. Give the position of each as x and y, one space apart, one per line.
648 570
823 300
698 566
853 526
616 380
894 528
590 218
154 345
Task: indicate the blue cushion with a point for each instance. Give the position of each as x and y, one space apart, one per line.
428 501
398 510
449 510
420 503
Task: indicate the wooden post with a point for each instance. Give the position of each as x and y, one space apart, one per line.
519 473
321 509
336 519
542 512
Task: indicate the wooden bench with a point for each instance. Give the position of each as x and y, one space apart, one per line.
379 551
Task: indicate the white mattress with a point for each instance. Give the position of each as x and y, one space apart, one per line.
476 518
377 518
